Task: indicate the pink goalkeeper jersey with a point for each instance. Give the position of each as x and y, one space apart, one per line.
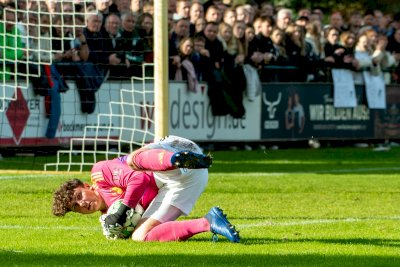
115 180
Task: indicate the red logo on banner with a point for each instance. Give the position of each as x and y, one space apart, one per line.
18 114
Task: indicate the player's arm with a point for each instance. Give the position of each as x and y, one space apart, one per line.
134 184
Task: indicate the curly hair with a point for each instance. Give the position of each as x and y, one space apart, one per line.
63 196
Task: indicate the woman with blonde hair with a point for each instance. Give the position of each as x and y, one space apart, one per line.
296 51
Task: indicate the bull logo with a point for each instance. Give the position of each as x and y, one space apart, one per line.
271 105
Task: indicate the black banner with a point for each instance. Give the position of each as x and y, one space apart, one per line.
387 122
304 111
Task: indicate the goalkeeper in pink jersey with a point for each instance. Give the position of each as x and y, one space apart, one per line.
165 177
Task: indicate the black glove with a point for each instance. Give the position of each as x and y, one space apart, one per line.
118 217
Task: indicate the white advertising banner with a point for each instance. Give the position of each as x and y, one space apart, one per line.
118 112
24 121
375 90
344 95
190 116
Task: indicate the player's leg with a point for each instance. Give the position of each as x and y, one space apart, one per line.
178 230
156 214
164 160
151 159
162 227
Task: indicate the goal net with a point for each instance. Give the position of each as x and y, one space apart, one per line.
33 34
128 125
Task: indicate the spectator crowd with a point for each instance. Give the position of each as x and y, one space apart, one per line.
232 47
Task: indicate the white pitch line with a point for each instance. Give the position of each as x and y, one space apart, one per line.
30 227
241 226
320 221
306 172
26 176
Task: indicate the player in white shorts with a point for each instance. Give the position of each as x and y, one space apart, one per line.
179 189
166 178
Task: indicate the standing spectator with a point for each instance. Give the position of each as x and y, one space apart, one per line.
302 21
242 14
120 7
304 12
200 59
44 41
369 19
209 3
229 16
266 47
181 30
196 12
213 14
239 29
296 49
355 23
95 40
148 7
91 75
75 50
11 44
336 55
363 53
313 37
132 44
216 82
113 46
336 20
199 25
233 68
213 45
257 24
372 59
185 71
182 9
51 7
103 7
279 52
267 9
251 11
249 36
22 13
284 17
380 55
382 25
348 41
137 7
145 23
317 14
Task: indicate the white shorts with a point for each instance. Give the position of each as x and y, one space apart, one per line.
180 188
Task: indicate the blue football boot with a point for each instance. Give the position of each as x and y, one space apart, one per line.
190 160
220 225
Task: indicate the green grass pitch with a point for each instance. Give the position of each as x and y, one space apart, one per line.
297 207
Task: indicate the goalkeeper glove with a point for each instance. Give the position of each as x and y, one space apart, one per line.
118 217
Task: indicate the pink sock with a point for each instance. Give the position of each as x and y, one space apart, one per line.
178 230
154 160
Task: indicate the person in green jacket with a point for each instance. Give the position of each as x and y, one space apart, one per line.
10 45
